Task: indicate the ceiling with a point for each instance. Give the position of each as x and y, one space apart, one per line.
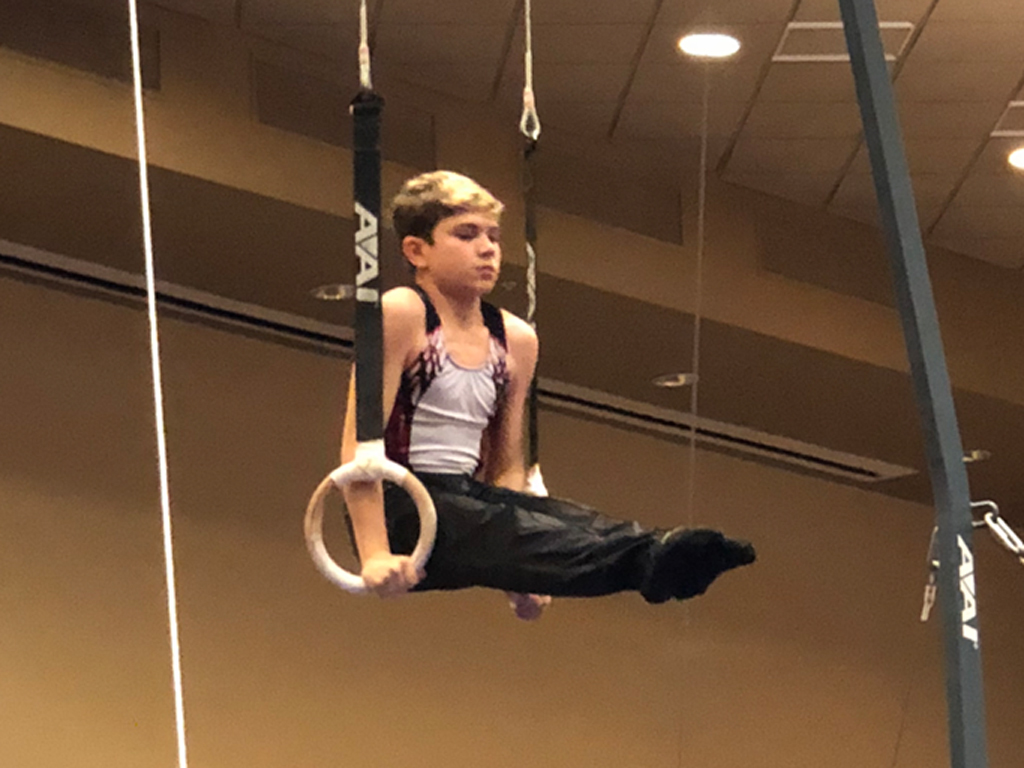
783 117
782 120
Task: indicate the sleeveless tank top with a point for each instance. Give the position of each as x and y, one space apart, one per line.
442 409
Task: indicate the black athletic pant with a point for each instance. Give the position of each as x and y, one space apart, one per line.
494 537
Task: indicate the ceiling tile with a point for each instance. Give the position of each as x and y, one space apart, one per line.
1002 222
594 12
577 117
993 158
925 80
584 43
556 76
864 212
580 82
803 120
442 11
333 41
711 13
414 43
259 12
1011 121
809 82
814 156
857 193
983 189
973 10
808 42
887 10
672 119
927 156
678 81
806 188
967 40
947 120
463 82
1001 253
220 11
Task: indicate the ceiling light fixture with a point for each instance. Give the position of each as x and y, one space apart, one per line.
673 380
1016 158
705 46
334 292
978 454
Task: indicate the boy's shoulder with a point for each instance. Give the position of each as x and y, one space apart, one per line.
402 302
401 296
520 335
403 310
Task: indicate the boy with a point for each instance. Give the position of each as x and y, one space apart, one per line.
456 376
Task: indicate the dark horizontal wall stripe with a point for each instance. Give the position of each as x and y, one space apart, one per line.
617 344
84 204
612 196
847 257
79 37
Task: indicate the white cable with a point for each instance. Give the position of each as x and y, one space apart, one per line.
365 80
158 395
529 124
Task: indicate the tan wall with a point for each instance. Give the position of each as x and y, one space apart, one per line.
813 657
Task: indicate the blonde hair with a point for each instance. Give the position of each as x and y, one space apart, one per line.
425 200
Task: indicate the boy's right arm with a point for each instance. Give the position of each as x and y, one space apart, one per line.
385 574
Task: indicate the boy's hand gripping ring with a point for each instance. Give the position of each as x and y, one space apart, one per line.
370 464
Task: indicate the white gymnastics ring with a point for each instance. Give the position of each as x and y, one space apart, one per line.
370 464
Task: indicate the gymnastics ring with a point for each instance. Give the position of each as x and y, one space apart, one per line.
369 464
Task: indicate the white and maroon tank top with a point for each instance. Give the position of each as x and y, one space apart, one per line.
442 409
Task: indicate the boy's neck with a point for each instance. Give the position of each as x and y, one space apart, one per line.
457 309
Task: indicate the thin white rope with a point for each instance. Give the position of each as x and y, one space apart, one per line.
529 124
365 81
698 296
698 287
158 394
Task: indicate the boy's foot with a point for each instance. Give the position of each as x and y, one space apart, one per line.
528 607
684 562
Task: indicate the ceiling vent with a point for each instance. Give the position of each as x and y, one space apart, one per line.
824 41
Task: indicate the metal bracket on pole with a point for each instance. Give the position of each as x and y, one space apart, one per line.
966 705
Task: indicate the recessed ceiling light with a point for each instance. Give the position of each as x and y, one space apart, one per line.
979 454
1016 158
334 292
673 380
709 46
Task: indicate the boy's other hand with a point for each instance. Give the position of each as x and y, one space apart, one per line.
528 607
390 575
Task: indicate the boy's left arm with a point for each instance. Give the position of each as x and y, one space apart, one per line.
503 464
503 454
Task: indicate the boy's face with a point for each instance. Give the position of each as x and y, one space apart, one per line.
465 257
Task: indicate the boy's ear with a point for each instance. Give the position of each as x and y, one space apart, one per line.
412 249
